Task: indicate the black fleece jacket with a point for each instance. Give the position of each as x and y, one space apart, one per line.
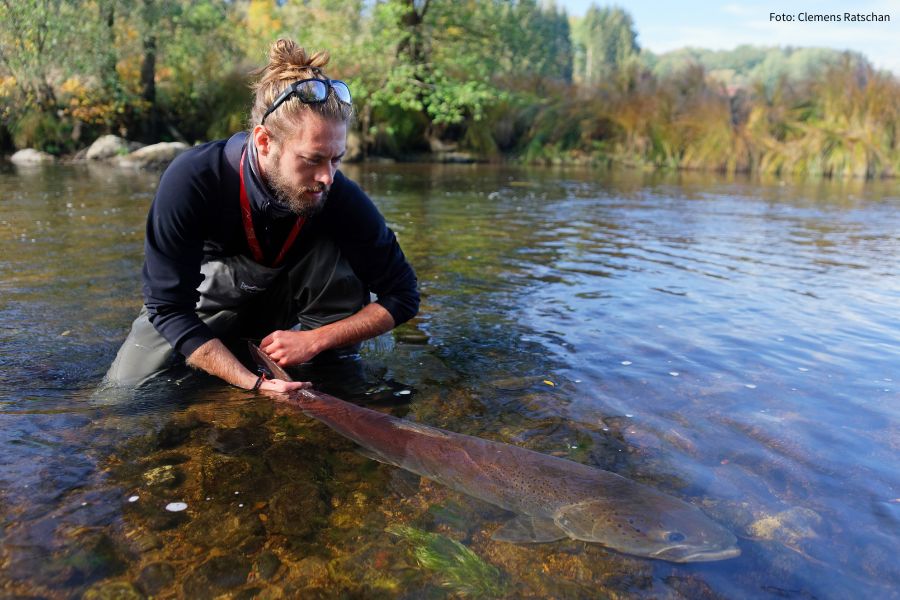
196 215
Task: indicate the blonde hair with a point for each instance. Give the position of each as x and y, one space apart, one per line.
289 62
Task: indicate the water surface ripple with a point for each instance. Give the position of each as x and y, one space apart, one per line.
731 342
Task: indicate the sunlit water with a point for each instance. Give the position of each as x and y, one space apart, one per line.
732 343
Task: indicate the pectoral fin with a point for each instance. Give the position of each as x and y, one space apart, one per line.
528 530
376 456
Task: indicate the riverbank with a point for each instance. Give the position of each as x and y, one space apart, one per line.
119 152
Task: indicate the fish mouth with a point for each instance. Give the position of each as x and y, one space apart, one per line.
684 554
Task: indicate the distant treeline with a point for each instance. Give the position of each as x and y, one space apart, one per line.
517 79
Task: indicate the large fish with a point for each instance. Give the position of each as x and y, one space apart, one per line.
553 498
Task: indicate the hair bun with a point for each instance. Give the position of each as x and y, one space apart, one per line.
287 57
289 62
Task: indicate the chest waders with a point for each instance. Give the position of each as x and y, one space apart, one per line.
242 298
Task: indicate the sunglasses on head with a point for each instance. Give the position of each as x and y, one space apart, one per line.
311 91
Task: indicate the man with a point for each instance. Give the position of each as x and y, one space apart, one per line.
261 236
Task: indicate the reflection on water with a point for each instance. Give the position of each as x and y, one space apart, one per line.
731 343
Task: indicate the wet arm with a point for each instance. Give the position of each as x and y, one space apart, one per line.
215 358
294 347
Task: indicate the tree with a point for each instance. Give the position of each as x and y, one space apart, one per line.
606 43
35 40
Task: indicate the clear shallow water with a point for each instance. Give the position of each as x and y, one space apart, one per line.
732 343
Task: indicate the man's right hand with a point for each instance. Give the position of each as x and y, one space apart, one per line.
279 385
216 359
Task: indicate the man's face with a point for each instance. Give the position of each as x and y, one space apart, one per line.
300 169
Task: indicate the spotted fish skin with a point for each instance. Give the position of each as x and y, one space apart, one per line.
554 497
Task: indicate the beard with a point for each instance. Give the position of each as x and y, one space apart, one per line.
292 195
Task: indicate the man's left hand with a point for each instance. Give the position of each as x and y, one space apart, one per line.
289 348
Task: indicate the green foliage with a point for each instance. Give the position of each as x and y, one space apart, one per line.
606 43
749 65
42 131
459 569
513 77
35 37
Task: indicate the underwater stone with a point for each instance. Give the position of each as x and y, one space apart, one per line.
155 577
177 430
297 510
293 460
216 576
93 557
252 545
312 571
113 590
789 526
267 564
411 336
228 530
164 476
248 594
160 519
512 384
256 414
239 440
145 541
223 476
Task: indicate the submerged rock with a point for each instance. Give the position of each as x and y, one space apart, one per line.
311 571
788 527
512 384
267 564
87 559
222 476
144 541
411 336
155 577
297 510
228 528
216 576
177 430
113 590
165 476
155 517
293 460
239 440
250 594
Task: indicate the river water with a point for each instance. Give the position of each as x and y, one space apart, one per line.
731 342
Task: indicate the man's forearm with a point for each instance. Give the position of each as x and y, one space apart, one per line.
371 321
216 359
295 347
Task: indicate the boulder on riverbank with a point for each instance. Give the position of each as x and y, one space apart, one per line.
153 156
30 156
110 146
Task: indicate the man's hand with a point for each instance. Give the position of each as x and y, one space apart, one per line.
288 348
278 385
215 358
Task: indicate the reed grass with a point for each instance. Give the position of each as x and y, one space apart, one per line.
845 123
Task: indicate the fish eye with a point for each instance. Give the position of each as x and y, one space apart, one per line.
675 536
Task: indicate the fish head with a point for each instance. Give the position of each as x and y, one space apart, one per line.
658 526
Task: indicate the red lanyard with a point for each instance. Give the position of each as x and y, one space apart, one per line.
251 233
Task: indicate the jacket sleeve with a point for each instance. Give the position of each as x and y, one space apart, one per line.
173 251
372 250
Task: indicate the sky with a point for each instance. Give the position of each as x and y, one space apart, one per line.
664 26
